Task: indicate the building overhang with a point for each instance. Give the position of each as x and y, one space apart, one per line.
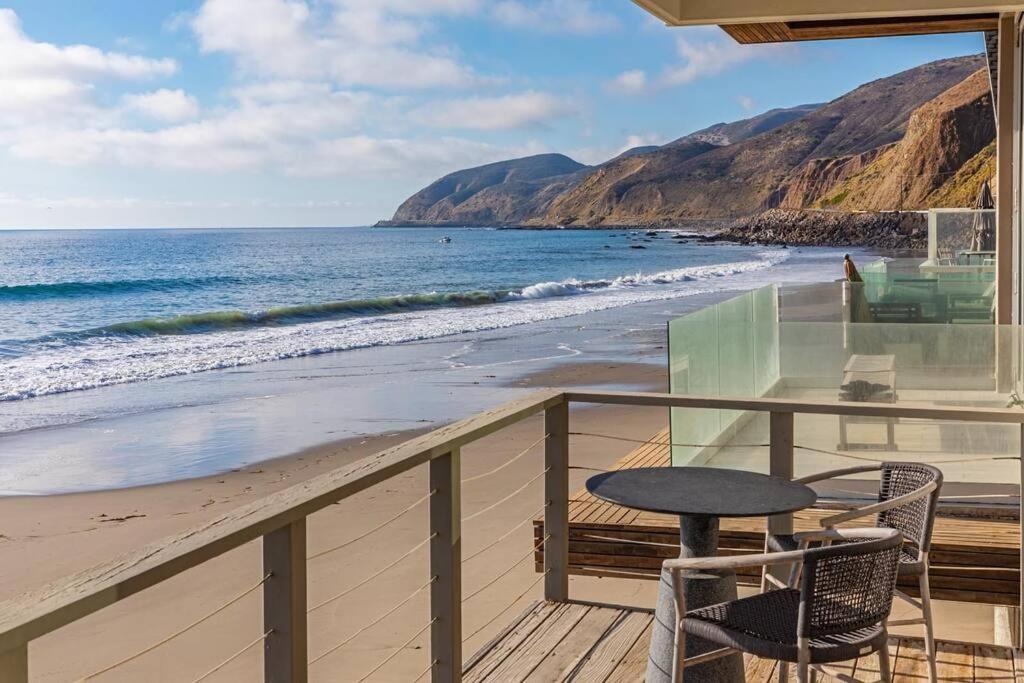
774 21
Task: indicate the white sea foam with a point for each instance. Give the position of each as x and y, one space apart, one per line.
106 360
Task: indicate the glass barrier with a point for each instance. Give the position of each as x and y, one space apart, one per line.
912 291
730 349
739 348
962 238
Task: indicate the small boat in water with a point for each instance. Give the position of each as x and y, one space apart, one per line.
445 240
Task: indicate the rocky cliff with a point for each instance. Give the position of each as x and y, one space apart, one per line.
907 141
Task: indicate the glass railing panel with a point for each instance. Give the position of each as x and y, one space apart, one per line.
912 291
736 332
765 340
693 369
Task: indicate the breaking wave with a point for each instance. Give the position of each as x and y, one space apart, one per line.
163 347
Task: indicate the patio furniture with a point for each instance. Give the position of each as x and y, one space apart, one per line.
699 496
908 497
878 370
838 613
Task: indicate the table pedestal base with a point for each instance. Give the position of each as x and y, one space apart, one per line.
698 537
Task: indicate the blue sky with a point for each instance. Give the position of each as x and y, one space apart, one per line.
331 112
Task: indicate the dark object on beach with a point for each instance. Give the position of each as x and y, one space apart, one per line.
637 246
679 237
861 390
852 275
651 233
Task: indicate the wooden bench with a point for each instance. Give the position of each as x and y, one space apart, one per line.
973 560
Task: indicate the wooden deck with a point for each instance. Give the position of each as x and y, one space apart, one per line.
600 644
973 560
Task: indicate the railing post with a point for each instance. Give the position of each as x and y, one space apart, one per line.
14 665
446 566
780 432
284 604
556 496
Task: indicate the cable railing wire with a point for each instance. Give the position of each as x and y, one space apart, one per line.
506 498
372 576
373 530
430 667
519 597
373 623
233 657
507 462
508 533
399 649
177 633
509 570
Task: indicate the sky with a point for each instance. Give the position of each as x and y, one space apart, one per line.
210 113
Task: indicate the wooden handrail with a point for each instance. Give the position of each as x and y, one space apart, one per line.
784 405
37 613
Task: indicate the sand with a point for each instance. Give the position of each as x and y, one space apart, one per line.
47 537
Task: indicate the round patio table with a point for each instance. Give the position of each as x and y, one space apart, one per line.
700 496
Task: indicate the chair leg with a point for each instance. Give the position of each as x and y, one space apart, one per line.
803 666
883 661
929 631
679 655
764 568
783 676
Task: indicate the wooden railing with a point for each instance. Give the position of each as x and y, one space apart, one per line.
280 520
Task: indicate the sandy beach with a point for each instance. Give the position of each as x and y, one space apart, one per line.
47 537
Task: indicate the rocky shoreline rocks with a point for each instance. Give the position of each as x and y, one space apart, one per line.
882 230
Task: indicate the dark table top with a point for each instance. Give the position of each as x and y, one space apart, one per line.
701 491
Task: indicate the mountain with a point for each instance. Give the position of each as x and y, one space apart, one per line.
932 123
505 192
730 133
954 132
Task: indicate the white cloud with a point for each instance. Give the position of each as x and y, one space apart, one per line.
421 158
42 81
518 110
631 82
708 52
164 105
353 43
599 155
22 57
746 102
555 16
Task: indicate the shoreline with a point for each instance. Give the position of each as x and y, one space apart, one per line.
903 229
223 419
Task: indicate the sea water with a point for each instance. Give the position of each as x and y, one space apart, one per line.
88 308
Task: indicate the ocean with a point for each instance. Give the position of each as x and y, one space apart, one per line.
132 357
84 309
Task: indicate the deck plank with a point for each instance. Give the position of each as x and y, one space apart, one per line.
993 665
535 647
613 648
573 650
588 643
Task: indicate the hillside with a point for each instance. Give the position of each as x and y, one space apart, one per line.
500 193
918 137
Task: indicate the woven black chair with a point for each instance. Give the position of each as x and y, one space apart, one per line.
908 497
838 613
